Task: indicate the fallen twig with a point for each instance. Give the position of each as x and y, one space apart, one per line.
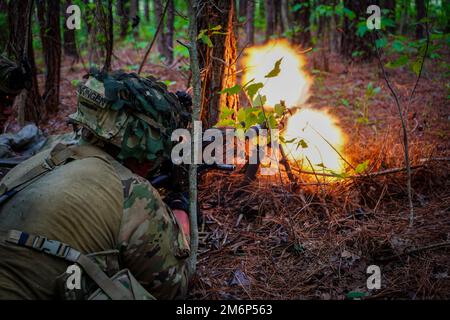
412 251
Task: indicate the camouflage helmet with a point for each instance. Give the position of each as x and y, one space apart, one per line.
133 113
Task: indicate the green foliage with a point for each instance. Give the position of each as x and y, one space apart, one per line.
233 90
362 167
275 71
361 105
255 113
205 35
410 53
253 88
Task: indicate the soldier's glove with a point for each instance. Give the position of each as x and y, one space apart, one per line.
177 200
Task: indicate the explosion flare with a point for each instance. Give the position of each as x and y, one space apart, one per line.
313 138
292 83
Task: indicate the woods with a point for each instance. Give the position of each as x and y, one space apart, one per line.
331 25
352 172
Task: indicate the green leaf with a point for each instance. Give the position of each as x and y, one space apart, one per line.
216 28
398 46
381 43
207 40
360 168
321 165
345 102
225 123
232 90
302 143
275 71
242 115
259 101
253 89
416 66
298 6
349 13
361 29
401 61
273 123
279 109
356 295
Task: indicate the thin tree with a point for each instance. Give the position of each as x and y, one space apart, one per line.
193 8
170 23
70 45
147 10
123 7
351 42
270 18
134 16
50 31
250 23
106 27
420 14
217 59
243 7
301 18
28 103
159 17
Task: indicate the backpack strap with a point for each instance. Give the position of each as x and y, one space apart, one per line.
58 156
64 251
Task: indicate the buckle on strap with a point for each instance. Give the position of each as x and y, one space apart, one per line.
49 164
40 243
52 247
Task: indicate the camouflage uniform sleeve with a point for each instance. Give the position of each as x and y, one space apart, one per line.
155 246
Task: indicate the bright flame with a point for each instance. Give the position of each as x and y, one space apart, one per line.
317 141
292 83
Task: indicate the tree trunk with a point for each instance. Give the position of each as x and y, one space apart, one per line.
193 8
134 6
85 16
391 6
404 15
270 18
243 7
20 47
301 16
279 28
161 40
108 30
48 14
70 45
218 63
285 21
420 9
170 31
147 10
350 41
250 23
124 13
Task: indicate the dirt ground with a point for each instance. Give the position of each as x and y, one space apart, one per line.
268 241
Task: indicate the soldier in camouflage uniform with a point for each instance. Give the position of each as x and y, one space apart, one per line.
88 196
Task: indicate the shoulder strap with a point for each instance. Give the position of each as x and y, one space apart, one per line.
58 156
64 251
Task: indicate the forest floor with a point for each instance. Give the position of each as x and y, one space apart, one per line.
266 241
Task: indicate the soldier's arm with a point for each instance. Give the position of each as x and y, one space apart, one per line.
155 247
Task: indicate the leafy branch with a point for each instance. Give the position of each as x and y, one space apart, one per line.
400 111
